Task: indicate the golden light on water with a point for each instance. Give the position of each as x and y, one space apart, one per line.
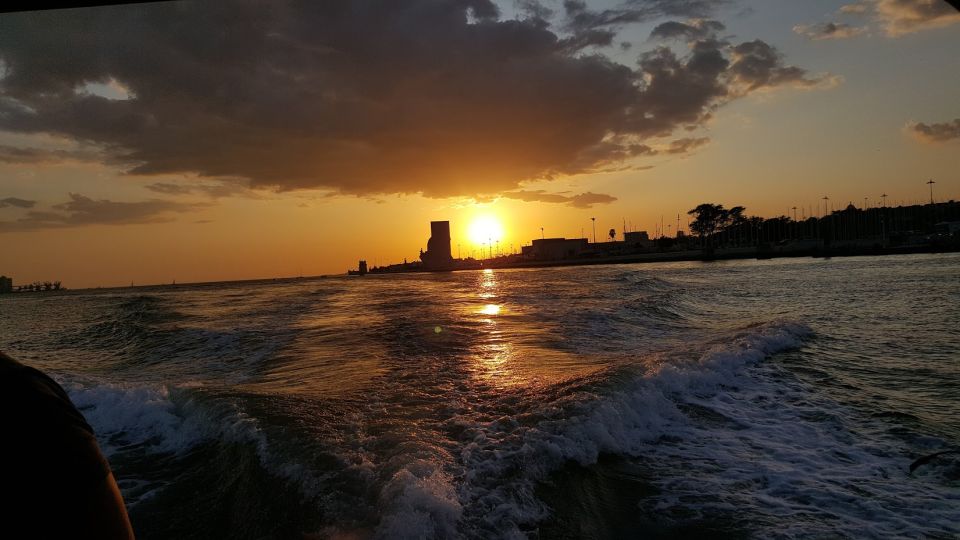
490 309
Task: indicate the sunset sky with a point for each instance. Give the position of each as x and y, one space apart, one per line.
202 141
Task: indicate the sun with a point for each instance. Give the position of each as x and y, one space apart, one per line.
485 229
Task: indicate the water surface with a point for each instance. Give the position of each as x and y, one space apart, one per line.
782 398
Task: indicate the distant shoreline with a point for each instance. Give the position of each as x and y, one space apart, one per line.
693 255
732 254
676 256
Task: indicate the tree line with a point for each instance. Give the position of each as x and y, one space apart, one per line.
38 286
717 226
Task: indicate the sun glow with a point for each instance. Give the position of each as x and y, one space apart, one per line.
485 229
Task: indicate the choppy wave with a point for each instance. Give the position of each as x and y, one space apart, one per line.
792 467
506 459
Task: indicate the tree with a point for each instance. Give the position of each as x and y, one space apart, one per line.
708 219
613 234
735 221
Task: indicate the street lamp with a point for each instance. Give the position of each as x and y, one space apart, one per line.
931 183
594 220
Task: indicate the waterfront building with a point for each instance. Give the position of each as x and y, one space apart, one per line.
6 284
553 249
638 239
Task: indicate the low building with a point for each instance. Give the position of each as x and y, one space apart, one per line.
6 285
553 249
638 239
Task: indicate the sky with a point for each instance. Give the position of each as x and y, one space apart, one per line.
207 141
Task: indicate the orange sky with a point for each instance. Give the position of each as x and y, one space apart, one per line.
126 177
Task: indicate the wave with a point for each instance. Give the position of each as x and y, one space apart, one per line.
125 417
725 434
721 430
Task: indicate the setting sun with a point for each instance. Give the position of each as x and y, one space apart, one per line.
485 229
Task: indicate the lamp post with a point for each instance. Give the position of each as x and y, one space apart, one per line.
594 220
931 183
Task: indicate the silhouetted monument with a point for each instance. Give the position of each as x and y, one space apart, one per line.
438 255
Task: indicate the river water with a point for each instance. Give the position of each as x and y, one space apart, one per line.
784 398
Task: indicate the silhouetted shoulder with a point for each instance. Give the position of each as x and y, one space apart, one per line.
50 456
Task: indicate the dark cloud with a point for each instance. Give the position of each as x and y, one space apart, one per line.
829 30
688 31
214 190
582 200
597 28
17 155
81 210
534 9
16 203
941 132
757 65
364 97
689 9
685 145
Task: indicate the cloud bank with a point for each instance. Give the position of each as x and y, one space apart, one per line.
81 210
365 97
935 133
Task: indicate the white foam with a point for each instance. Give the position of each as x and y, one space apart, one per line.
766 460
125 416
421 502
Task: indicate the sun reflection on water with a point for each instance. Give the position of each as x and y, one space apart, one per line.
490 309
492 359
